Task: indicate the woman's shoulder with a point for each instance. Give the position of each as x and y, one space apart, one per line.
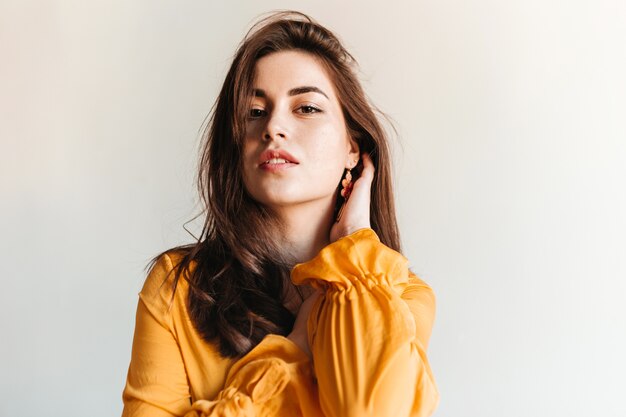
161 291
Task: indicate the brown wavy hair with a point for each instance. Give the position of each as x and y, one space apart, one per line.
241 274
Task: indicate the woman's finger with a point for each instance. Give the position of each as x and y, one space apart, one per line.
362 187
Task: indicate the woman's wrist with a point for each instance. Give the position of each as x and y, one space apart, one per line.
348 231
301 341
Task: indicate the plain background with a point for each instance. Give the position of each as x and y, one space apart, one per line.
510 185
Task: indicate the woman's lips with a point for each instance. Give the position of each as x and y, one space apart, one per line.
270 154
277 167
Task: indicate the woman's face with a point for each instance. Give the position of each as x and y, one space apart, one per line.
295 110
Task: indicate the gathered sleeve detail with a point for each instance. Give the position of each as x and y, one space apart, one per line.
369 331
275 376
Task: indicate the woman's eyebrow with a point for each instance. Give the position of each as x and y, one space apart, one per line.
293 92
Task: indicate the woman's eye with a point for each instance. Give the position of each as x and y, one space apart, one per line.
309 109
256 113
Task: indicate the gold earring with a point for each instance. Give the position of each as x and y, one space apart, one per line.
346 189
346 184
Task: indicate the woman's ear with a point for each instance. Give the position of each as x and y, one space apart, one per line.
354 154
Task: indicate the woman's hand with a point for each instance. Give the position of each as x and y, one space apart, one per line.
356 210
299 334
355 216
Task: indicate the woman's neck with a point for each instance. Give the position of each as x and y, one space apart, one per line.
308 227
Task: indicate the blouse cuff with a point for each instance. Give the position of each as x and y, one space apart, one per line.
255 379
359 257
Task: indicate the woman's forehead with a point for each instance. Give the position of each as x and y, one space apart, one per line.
289 73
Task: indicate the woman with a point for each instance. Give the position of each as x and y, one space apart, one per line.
295 300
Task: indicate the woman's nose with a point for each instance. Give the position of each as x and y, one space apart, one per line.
275 127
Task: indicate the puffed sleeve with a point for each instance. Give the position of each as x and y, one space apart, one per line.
273 379
370 330
274 376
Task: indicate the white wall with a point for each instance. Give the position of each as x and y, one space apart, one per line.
510 185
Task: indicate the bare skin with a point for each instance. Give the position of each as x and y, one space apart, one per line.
309 125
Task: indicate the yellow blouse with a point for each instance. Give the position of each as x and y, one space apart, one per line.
368 333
